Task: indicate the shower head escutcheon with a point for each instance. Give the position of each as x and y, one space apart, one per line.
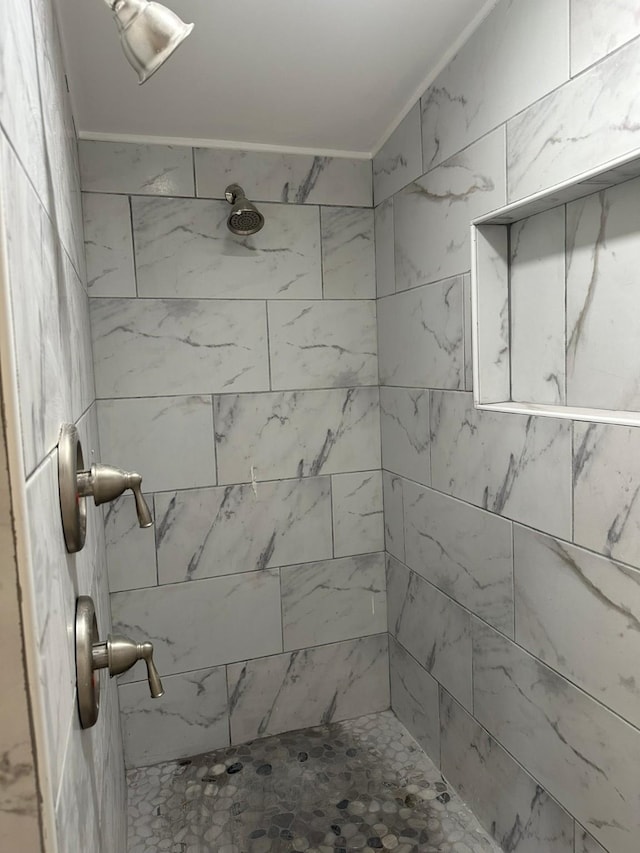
149 33
245 219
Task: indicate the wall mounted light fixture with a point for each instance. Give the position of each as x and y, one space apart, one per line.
149 33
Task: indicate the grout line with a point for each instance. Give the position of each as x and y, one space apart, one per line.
134 258
268 332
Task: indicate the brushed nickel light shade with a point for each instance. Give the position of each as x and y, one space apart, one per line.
149 33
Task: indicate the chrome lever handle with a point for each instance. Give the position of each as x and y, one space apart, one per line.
106 483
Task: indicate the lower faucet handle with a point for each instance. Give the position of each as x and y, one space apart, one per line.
155 684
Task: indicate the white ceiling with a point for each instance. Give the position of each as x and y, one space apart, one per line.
328 75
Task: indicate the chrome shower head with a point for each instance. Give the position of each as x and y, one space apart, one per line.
245 219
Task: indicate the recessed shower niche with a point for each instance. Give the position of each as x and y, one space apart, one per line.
556 301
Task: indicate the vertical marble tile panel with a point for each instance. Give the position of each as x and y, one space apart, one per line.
168 440
537 308
585 843
183 247
77 809
358 518
131 552
293 178
421 336
414 699
108 245
297 434
393 515
207 532
441 643
517 55
400 158
229 618
464 551
582 125
585 756
385 263
332 601
468 341
404 423
513 465
596 641
156 347
606 473
520 815
599 28
191 718
432 215
328 344
603 253
122 167
493 323
348 253
308 688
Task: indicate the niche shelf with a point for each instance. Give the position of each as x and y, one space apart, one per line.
514 342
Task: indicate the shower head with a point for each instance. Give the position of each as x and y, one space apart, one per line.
149 33
245 219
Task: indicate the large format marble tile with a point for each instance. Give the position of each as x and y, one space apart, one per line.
207 532
520 815
421 336
358 518
603 253
517 55
191 718
168 440
296 434
582 125
400 158
76 810
586 843
393 515
308 687
599 28
514 465
596 641
404 424
464 551
537 308
328 344
432 215
204 623
468 351
122 167
606 473
184 248
159 347
294 178
586 757
108 244
441 643
332 601
384 239
414 699
348 253
131 551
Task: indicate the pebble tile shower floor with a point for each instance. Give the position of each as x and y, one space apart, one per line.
360 785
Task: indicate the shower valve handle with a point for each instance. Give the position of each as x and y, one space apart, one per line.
119 654
106 483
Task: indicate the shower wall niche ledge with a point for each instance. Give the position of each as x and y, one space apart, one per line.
556 300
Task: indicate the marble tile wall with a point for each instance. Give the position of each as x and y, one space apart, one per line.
78 800
513 568
240 376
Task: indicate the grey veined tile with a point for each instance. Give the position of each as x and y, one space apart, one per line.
463 550
122 167
131 551
604 596
415 699
296 433
348 253
385 263
598 28
160 347
108 245
400 158
184 248
308 687
327 344
207 532
393 514
585 756
585 843
404 423
333 600
520 815
514 465
358 518
441 643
